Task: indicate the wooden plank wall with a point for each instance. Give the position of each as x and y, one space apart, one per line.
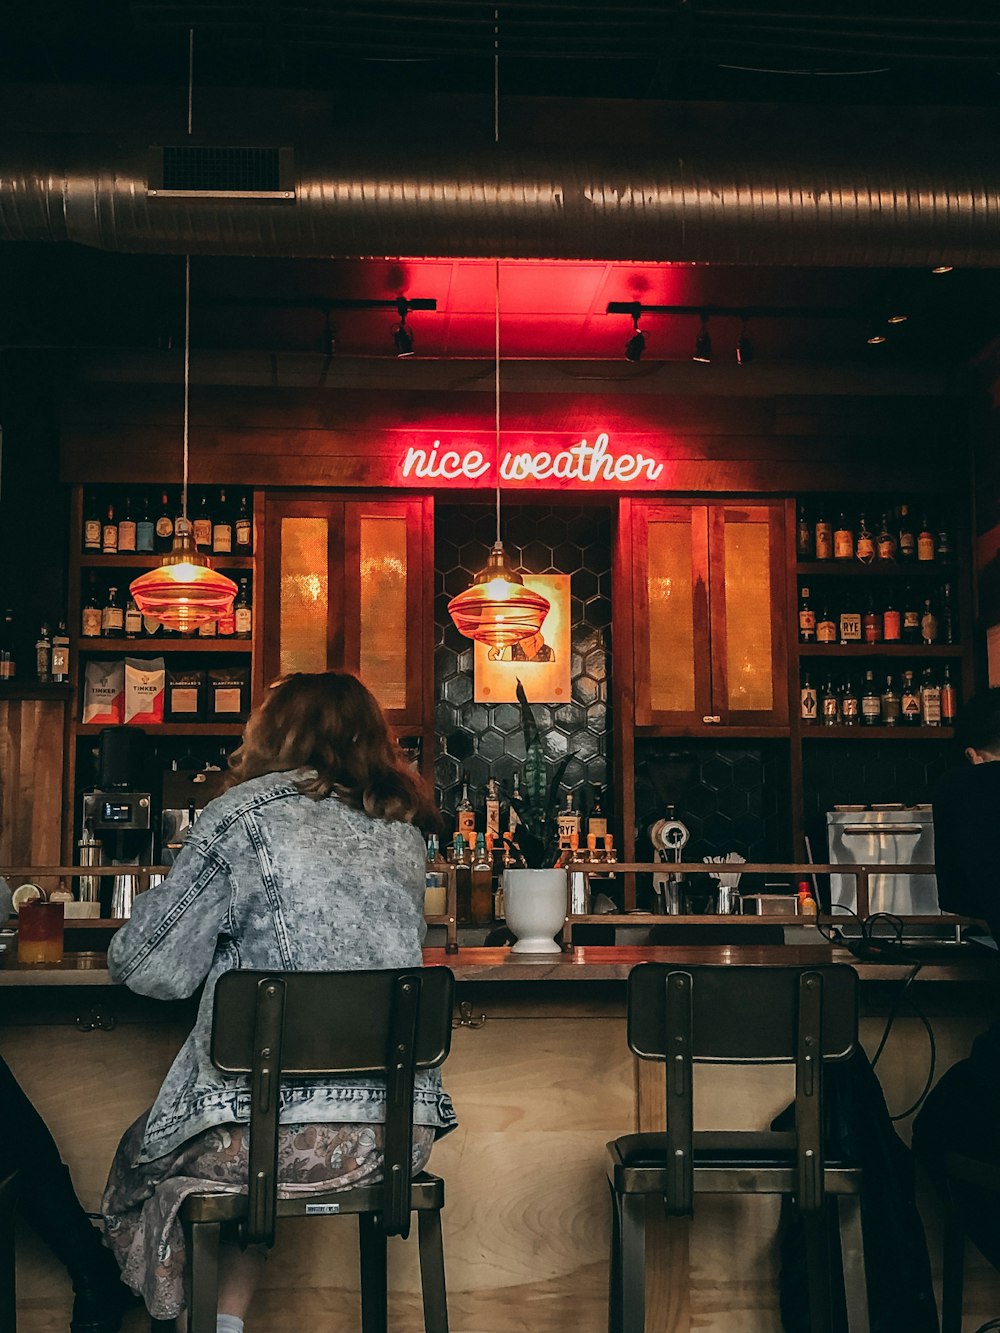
32 747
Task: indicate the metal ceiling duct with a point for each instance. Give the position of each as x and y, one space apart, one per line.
757 206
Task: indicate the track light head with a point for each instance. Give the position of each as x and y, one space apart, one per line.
636 345
703 343
402 338
943 268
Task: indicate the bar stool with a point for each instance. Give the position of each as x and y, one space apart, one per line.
966 1171
738 1015
8 1302
269 1025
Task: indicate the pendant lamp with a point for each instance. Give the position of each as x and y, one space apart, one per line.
498 609
184 591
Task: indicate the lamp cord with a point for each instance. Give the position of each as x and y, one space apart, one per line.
187 298
496 305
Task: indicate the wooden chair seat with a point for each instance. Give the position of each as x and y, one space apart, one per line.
426 1191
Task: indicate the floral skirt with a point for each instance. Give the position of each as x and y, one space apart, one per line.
142 1199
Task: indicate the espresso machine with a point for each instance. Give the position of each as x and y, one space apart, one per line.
185 794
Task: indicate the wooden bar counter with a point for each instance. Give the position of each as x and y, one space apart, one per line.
542 1078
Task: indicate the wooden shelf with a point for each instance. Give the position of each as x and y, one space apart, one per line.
34 689
718 729
169 728
155 645
812 731
878 569
131 560
914 650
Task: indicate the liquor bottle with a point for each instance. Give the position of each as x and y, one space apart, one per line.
60 654
222 529
949 628
43 655
892 623
243 612
109 533
567 822
930 699
885 542
949 699
826 627
597 824
804 539
465 815
907 546
891 704
807 619
871 702
459 864
164 525
909 704
824 538
244 529
925 541
145 531
133 620
945 553
92 525
112 616
829 704
843 540
809 707
202 526
871 627
482 884
513 818
90 616
127 527
928 623
208 629
911 618
493 808
850 627
8 657
865 548
850 705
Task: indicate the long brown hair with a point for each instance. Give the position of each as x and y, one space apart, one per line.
330 723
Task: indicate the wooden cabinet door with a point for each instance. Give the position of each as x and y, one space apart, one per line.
747 611
670 571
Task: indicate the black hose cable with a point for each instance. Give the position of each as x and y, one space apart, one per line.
990 1327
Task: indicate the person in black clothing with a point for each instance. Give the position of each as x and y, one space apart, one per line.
48 1203
962 1112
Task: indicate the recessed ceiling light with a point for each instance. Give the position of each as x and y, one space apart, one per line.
875 338
897 319
943 268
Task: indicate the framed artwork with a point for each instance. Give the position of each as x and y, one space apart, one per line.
542 664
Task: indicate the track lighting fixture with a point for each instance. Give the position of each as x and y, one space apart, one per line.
897 319
943 268
744 347
402 338
636 345
876 338
703 342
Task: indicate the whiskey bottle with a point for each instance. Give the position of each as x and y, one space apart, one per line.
145 531
809 706
843 540
481 874
928 623
493 808
109 533
829 704
826 627
909 704
60 655
127 527
949 699
930 700
222 529
133 620
243 612
244 529
465 815
43 655
891 704
885 542
567 822
925 541
597 824
850 627
92 525
911 618
949 628
202 526
850 705
807 619
164 526
945 553
871 702
513 818
892 623
90 616
804 539
871 627
907 546
459 864
8 656
865 549
112 616
824 538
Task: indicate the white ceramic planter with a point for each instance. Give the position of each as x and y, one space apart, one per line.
535 908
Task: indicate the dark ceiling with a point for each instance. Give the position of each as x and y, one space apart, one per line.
387 52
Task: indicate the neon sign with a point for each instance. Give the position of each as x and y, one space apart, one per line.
586 464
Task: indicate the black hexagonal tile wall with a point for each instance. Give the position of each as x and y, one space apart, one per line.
486 740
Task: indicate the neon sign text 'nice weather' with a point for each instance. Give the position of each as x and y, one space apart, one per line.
583 462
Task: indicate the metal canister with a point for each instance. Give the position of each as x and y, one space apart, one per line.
89 853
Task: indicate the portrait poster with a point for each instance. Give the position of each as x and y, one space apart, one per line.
542 663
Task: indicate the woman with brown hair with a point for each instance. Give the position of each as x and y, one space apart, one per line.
312 860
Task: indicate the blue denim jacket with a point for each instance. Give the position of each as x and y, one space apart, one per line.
271 878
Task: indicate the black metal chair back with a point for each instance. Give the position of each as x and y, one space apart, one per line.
742 1015
8 1296
274 1025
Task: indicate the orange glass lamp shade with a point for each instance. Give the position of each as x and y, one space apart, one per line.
184 591
498 609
